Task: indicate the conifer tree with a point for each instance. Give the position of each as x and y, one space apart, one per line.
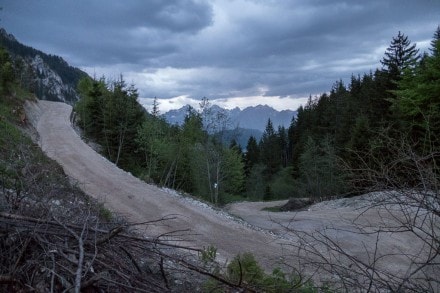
270 151
417 98
400 55
435 49
155 111
252 155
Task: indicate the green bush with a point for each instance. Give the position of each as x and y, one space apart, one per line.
208 254
245 272
245 269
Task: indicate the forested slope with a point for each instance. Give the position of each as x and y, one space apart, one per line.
331 148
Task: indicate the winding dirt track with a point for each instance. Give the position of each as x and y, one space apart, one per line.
141 202
138 201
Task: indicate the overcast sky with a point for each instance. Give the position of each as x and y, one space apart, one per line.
236 53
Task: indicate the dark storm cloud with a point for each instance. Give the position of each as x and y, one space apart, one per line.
99 32
222 48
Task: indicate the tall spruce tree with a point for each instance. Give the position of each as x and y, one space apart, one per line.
252 155
400 55
417 100
270 151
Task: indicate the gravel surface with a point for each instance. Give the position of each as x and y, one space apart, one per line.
265 234
193 223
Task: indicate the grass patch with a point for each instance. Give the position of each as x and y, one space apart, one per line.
105 213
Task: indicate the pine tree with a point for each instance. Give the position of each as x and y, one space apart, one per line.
155 111
270 151
252 155
320 175
236 146
435 43
283 145
417 100
400 55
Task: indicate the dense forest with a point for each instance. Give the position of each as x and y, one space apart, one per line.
334 147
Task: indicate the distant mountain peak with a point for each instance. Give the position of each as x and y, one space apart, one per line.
253 117
6 35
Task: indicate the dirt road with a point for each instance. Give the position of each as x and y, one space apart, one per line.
140 202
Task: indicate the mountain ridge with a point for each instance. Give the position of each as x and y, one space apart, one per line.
50 77
253 117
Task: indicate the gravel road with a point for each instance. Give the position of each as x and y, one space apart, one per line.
259 232
138 201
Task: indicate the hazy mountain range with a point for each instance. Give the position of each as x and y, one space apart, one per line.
250 118
241 124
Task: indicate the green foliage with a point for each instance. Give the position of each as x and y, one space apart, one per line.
105 213
208 254
417 101
400 55
91 106
244 269
252 155
270 150
320 173
111 115
233 174
184 158
6 71
255 183
11 160
245 272
303 160
360 134
343 126
283 185
160 153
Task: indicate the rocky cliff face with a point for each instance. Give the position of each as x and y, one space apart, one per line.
49 85
48 76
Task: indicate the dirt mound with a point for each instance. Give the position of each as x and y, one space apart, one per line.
295 204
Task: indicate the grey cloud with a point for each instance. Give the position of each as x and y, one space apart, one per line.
108 31
296 47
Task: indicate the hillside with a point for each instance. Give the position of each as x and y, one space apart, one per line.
67 240
48 76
